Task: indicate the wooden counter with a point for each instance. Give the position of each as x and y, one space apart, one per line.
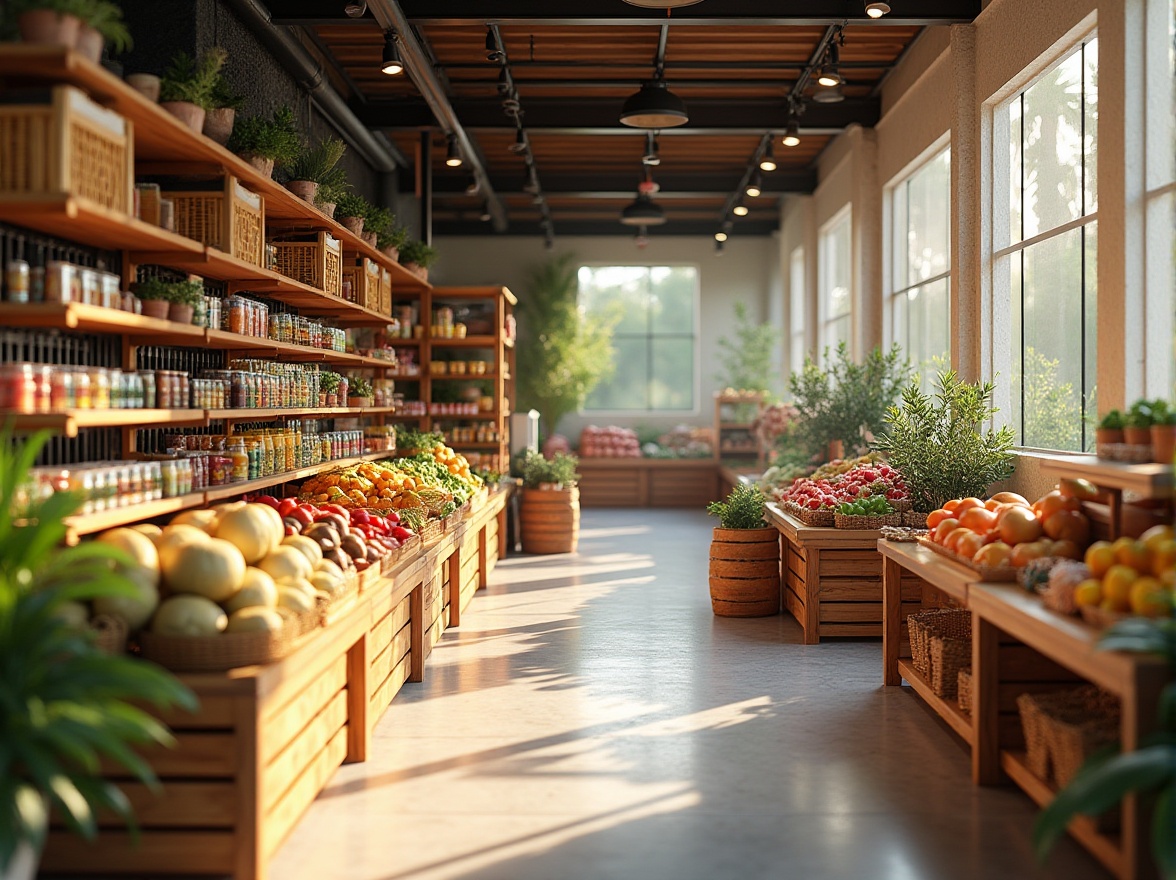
648 482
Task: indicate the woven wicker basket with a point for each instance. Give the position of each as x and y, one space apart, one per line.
317 262
231 219
901 505
841 521
69 147
365 282
964 690
821 519
988 573
385 306
1124 452
217 653
914 519
941 645
110 634
1062 729
432 531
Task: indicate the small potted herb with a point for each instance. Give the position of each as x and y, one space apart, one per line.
359 392
312 166
169 300
1137 426
330 189
186 89
1163 432
261 142
392 241
47 22
1110 428
379 222
351 210
102 25
417 257
329 388
550 510
744 557
218 121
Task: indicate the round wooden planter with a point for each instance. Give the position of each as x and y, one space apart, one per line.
745 572
551 520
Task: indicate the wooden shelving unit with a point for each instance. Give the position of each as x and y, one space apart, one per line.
737 440
1144 481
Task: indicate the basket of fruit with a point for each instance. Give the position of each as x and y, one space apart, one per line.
871 512
817 517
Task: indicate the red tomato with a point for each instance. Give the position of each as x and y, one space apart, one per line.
341 511
400 533
287 505
304 513
268 501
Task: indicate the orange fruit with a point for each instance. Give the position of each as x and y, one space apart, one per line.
1019 526
952 506
1099 557
1083 490
944 528
1011 498
1163 556
1066 550
1052 502
968 504
1067 525
1158 532
1129 551
1117 584
978 519
969 544
1028 551
935 517
1089 592
996 554
1149 598
952 540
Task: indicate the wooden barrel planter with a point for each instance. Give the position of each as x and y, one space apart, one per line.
745 572
551 520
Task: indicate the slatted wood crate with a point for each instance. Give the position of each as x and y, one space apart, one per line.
315 260
230 218
648 482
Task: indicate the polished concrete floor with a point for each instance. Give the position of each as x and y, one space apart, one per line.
592 719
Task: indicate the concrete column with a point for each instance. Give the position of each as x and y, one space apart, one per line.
969 318
867 243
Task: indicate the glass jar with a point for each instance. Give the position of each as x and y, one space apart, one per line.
18 388
240 458
147 380
59 276
17 281
238 315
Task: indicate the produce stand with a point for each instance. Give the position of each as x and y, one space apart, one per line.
648 482
1146 481
832 580
267 739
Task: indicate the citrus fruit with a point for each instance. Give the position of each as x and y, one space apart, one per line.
1149 598
1089 592
1134 553
1099 557
1117 583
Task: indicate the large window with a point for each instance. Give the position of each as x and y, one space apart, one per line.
1160 223
1044 235
920 233
655 337
834 274
796 298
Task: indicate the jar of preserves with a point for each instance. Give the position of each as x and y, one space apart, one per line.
18 388
147 380
17 281
240 458
91 287
59 276
238 315
61 390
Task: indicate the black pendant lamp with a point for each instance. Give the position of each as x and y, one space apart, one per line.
661 4
643 211
390 61
654 106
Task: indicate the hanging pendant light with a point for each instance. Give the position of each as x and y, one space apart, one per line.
643 211
768 160
740 209
792 133
830 95
830 74
877 9
755 186
453 153
654 106
391 63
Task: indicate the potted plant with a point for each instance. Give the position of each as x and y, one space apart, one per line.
224 104
185 91
359 391
102 25
417 257
47 22
262 142
57 725
392 240
329 388
330 189
378 221
169 300
937 444
351 210
550 510
1163 432
154 296
1138 423
312 166
744 557
1110 429
146 84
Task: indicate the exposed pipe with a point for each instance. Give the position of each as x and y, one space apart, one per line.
376 149
389 15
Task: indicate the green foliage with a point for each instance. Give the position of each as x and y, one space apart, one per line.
561 469
743 509
224 97
418 252
1050 406
410 438
193 80
184 293
67 705
106 18
352 204
317 163
845 401
358 386
423 464
873 505
395 236
1145 413
329 382
747 360
276 138
562 353
936 442
1110 775
1112 421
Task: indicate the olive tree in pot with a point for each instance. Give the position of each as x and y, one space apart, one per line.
263 142
47 22
67 704
744 557
550 504
313 166
417 257
186 89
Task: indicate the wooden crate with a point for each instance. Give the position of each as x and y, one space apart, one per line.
364 276
385 307
69 147
231 219
648 482
317 261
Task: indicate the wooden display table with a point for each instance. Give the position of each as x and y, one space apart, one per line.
1147 481
648 482
267 739
832 578
730 477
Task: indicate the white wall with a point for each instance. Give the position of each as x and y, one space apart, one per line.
747 272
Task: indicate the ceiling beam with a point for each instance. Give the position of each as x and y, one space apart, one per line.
622 185
701 228
603 113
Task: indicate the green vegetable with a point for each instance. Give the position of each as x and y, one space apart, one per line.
872 505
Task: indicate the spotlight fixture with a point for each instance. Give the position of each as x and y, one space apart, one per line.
453 153
391 63
651 156
661 4
740 209
830 75
720 236
792 133
830 95
643 211
768 160
520 142
485 216
755 186
503 83
356 8
654 106
493 54
876 9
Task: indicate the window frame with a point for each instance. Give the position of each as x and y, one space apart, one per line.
696 379
843 215
797 308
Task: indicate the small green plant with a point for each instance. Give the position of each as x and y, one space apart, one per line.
276 138
560 469
184 293
193 80
351 204
1140 415
410 438
937 444
317 163
224 97
874 505
1112 421
417 252
395 237
358 386
329 382
743 509
106 18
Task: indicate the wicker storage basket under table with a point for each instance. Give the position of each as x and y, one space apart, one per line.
231 219
1062 729
316 261
941 645
364 275
221 652
69 147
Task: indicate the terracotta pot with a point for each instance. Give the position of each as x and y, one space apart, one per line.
1106 436
550 520
179 313
188 113
322 398
370 238
354 225
328 208
154 308
263 165
304 189
1137 436
146 84
44 27
392 251
359 401
1163 439
90 43
332 400
745 572
218 124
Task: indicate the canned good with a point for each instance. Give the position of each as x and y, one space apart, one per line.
17 281
59 278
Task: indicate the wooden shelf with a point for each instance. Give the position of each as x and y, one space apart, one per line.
464 377
220 493
96 319
473 445
223 339
948 711
1108 850
465 342
951 578
70 422
328 412
1146 480
91 224
85 524
478 417
474 292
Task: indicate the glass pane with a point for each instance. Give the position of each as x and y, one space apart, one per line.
625 288
797 353
1052 148
836 331
900 227
796 291
1017 360
1090 355
1015 171
628 387
1053 342
929 345
672 386
1090 125
899 320
928 221
671 300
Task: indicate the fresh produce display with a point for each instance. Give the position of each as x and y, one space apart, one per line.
610 442
857 481
871 505
1131 575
